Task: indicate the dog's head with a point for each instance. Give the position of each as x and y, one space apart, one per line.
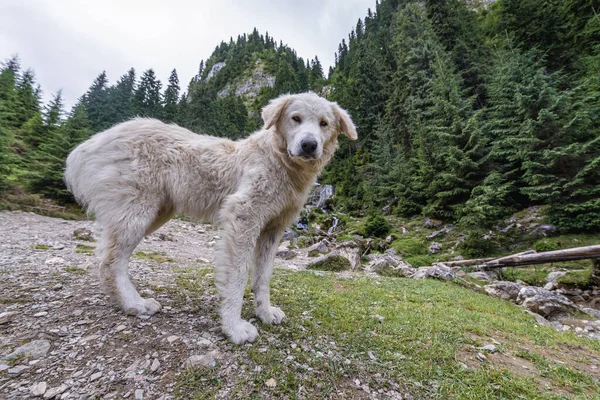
309 125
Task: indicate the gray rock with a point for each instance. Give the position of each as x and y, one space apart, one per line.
139 394
38 389
215 68
289 235
204 360
431 223
504 290
83 234
435 248
481 275
4 367
34 349
544 302
321 247
392 252
55 261
17 370
555 276
592 312
7 316
436 272
155 365
490 348
544 230
443 231
351 252
543 321
387 265
285 253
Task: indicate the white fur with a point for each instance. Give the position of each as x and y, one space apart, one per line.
136 175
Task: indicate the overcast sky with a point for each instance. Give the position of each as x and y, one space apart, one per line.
69 42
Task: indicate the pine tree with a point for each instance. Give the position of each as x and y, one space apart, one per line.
147 100
119 99
171 98
96 103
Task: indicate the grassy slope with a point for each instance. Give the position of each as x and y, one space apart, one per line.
425 345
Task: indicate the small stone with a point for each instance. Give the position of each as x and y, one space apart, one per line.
204 360
172 338
39 389
7 316
4 367
371 356
55 261
18 370
83 234
53 392
481 357
77 313
34 349
95 376
120 328
57 287
41 314
490 348
271 383
155 365
139 394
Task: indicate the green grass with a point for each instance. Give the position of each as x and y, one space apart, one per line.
332 338
40 247
535 276
83 249
158 257
76 270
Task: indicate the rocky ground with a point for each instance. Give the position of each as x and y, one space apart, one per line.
59 336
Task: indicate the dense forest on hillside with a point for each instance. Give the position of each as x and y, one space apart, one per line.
466 110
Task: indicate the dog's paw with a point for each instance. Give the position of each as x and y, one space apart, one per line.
270 315
142 307
241 332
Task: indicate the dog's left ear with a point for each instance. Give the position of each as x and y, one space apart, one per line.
346 125
272 111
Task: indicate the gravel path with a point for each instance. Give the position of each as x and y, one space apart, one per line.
59 336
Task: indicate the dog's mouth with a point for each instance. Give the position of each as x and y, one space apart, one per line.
301 157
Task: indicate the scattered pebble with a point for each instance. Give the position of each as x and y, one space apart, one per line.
271 383
38 389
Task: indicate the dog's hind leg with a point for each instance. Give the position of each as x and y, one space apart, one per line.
119 239
264 256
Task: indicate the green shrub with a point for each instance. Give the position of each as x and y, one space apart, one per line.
475 246
533 277
544 245
376 225
410 247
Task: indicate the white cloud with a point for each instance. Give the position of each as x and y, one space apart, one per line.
69 42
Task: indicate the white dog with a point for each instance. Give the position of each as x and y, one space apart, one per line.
136 175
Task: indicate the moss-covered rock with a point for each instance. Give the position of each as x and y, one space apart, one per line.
331 262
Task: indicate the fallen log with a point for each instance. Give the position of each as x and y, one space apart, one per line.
576 253
465 263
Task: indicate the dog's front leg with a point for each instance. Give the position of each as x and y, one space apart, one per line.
234 255
266 248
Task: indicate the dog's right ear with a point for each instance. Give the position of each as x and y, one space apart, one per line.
272 111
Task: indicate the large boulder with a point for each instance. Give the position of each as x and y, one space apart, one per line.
504 290
544 302
389 265
320 247
436 272
435 248
333 261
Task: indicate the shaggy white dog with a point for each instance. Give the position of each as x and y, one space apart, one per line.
136 175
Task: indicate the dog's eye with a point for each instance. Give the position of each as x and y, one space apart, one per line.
324 123
296 118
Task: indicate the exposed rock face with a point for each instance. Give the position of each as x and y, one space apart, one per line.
389 265
504 290
251 86
435 248
351 251
443 231
436 271
320 194
544 302
320 247
289 235
215 68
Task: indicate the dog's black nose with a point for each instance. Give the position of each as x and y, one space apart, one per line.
309 146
